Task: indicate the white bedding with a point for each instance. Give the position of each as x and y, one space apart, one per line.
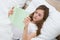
52 25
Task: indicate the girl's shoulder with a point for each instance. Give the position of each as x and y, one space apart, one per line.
32 26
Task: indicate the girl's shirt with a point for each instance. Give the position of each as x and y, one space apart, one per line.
32 28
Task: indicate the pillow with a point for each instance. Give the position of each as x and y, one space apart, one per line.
18 17
51 25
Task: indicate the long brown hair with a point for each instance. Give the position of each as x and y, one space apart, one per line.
40 23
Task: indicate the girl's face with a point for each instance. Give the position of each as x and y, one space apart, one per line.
38 15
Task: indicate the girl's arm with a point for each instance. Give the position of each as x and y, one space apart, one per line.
25 32
27 36
32 35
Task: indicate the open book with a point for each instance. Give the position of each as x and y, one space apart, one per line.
18 17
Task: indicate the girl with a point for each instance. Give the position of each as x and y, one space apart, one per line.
34 22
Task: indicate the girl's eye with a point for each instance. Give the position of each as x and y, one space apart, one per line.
39 14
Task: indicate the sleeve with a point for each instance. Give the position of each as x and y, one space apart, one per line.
32 28
21 3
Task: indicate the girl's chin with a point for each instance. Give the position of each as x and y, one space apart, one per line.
34 20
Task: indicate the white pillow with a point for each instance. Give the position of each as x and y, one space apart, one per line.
53 13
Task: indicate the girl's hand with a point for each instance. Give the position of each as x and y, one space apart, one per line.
10 11
27 21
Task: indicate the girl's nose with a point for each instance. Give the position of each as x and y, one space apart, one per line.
36 15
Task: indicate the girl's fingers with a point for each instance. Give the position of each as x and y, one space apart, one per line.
10 11
27 20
